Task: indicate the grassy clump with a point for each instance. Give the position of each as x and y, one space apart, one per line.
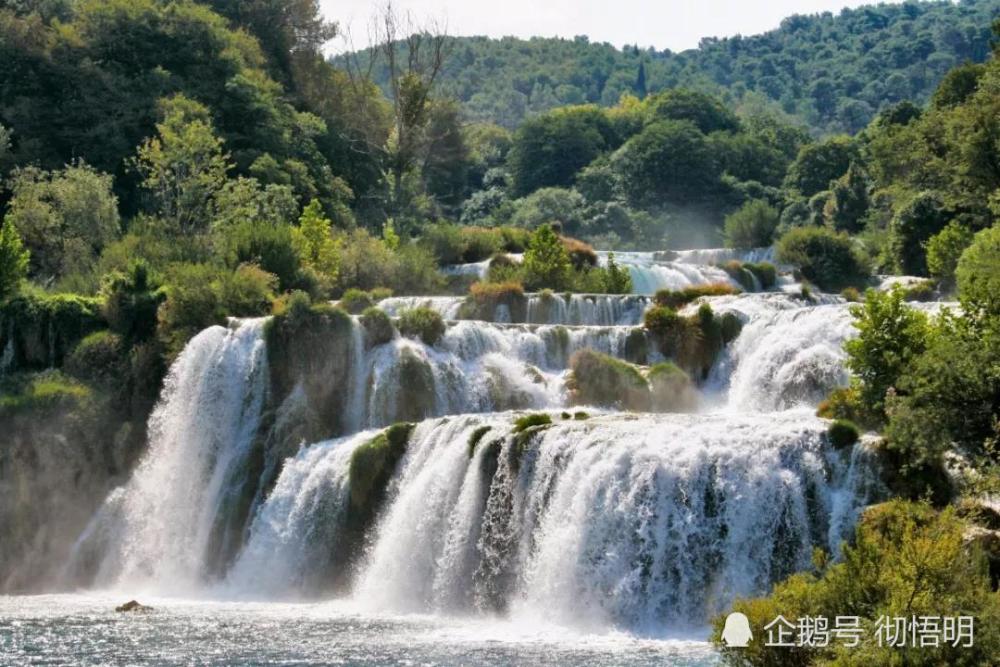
423 323
580 416
476 437
485 297
525 428
739 272
599 379
522 424
677 299
372 466
378 326
843 433
851 294
921 291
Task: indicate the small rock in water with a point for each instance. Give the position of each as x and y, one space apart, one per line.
133 605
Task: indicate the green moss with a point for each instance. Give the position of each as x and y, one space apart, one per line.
42 393
599 379
741 274
476 436
486 297
843 433
378 326
731 326
580 415
522 424
423 323
416 397
661 320
372 466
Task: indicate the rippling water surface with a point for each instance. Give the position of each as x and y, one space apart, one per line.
85 630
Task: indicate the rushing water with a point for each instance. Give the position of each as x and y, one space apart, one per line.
607 540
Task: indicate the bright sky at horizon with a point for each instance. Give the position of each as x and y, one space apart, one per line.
663 24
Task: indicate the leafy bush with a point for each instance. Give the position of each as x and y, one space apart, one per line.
890 336
679 298
752 226
661 320
599 379
99 358
905 560
944 250
378 326
131 301
911 229
192 304
269 246
248 291
824 257
423 323
851 294
843 433
13 260
546 261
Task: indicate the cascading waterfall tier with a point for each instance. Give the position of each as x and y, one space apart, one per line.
643 523
166 528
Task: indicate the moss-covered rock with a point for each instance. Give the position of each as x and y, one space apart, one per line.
476 437
38 331
371 469
356 301
671 389
524 431
693 342
637 347
599 379
423 323
415 396
310 347
731 325
765 272
378 327
741 274
677 299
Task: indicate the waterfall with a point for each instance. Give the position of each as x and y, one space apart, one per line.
650 272
161 529
643 524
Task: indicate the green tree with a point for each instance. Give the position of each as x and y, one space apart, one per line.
704 111
446 161
550 206
184 166
318 249
668 161
978 274
66 217
848 204
752 226
944 250
820 163
13 260
891 335
911 228
549 149
546 263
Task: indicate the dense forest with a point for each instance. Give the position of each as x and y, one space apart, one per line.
833 72
168 164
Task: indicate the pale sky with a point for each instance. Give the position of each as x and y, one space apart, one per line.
673 24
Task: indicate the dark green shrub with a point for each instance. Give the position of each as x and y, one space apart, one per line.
423 323
100 358
248 291
824 257
131 301
738 272
978 274
944 249
752 226
911 229
661 320
843 433
378 326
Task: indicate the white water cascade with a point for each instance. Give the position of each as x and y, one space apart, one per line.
646 523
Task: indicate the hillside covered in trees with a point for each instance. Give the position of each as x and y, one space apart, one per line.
831 71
